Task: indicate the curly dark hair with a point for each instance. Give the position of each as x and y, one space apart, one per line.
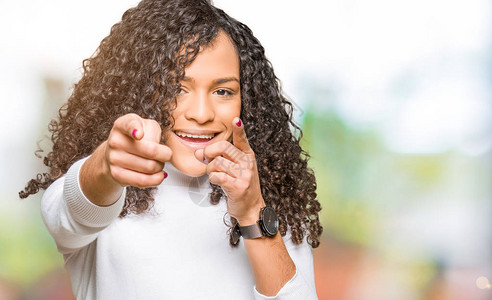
138 68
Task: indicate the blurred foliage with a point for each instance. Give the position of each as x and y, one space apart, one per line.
343 160
361 183
359 179
27 250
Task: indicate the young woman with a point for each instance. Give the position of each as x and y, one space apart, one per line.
179 104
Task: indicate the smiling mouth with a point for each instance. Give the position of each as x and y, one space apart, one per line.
196 141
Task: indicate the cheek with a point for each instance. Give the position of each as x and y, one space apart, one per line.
227 114
177 112
231 111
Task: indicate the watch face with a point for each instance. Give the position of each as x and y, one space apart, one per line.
270 221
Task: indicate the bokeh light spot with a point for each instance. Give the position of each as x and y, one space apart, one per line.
483 283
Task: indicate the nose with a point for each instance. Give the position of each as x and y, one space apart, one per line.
200 109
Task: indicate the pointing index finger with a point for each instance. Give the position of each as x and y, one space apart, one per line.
239 138
131 125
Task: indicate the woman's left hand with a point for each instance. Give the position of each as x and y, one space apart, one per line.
233 167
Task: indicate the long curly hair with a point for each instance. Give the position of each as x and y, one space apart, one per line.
137 69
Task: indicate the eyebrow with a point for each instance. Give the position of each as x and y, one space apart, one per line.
224 80
216 81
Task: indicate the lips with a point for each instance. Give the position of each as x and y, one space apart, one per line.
194 139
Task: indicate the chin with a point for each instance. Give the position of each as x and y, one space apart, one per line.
190 166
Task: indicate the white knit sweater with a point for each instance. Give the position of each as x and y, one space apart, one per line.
177 250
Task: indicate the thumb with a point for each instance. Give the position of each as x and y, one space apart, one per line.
200 155
151 130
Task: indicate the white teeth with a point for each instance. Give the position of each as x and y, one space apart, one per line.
205 136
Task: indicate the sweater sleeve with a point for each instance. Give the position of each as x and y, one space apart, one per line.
301 285
72 219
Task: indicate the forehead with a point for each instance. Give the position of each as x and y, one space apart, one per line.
218 59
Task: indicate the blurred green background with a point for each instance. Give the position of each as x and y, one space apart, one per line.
395 100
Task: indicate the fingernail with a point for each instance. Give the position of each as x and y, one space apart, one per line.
205 160
165 174
239 122
134 133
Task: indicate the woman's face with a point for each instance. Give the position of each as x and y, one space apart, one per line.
209 100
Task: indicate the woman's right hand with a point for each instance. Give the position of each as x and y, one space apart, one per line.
133 153
131 156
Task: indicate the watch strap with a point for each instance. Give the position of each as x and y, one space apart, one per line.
251 231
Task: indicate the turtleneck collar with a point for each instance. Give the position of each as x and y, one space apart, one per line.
178 178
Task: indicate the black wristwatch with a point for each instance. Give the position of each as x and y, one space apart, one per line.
267 225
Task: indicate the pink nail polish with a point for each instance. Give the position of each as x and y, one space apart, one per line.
134 133
165 174
239 122
205 160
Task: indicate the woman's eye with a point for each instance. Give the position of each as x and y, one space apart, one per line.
223 92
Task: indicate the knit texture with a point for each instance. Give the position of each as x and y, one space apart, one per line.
179 249
83 210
